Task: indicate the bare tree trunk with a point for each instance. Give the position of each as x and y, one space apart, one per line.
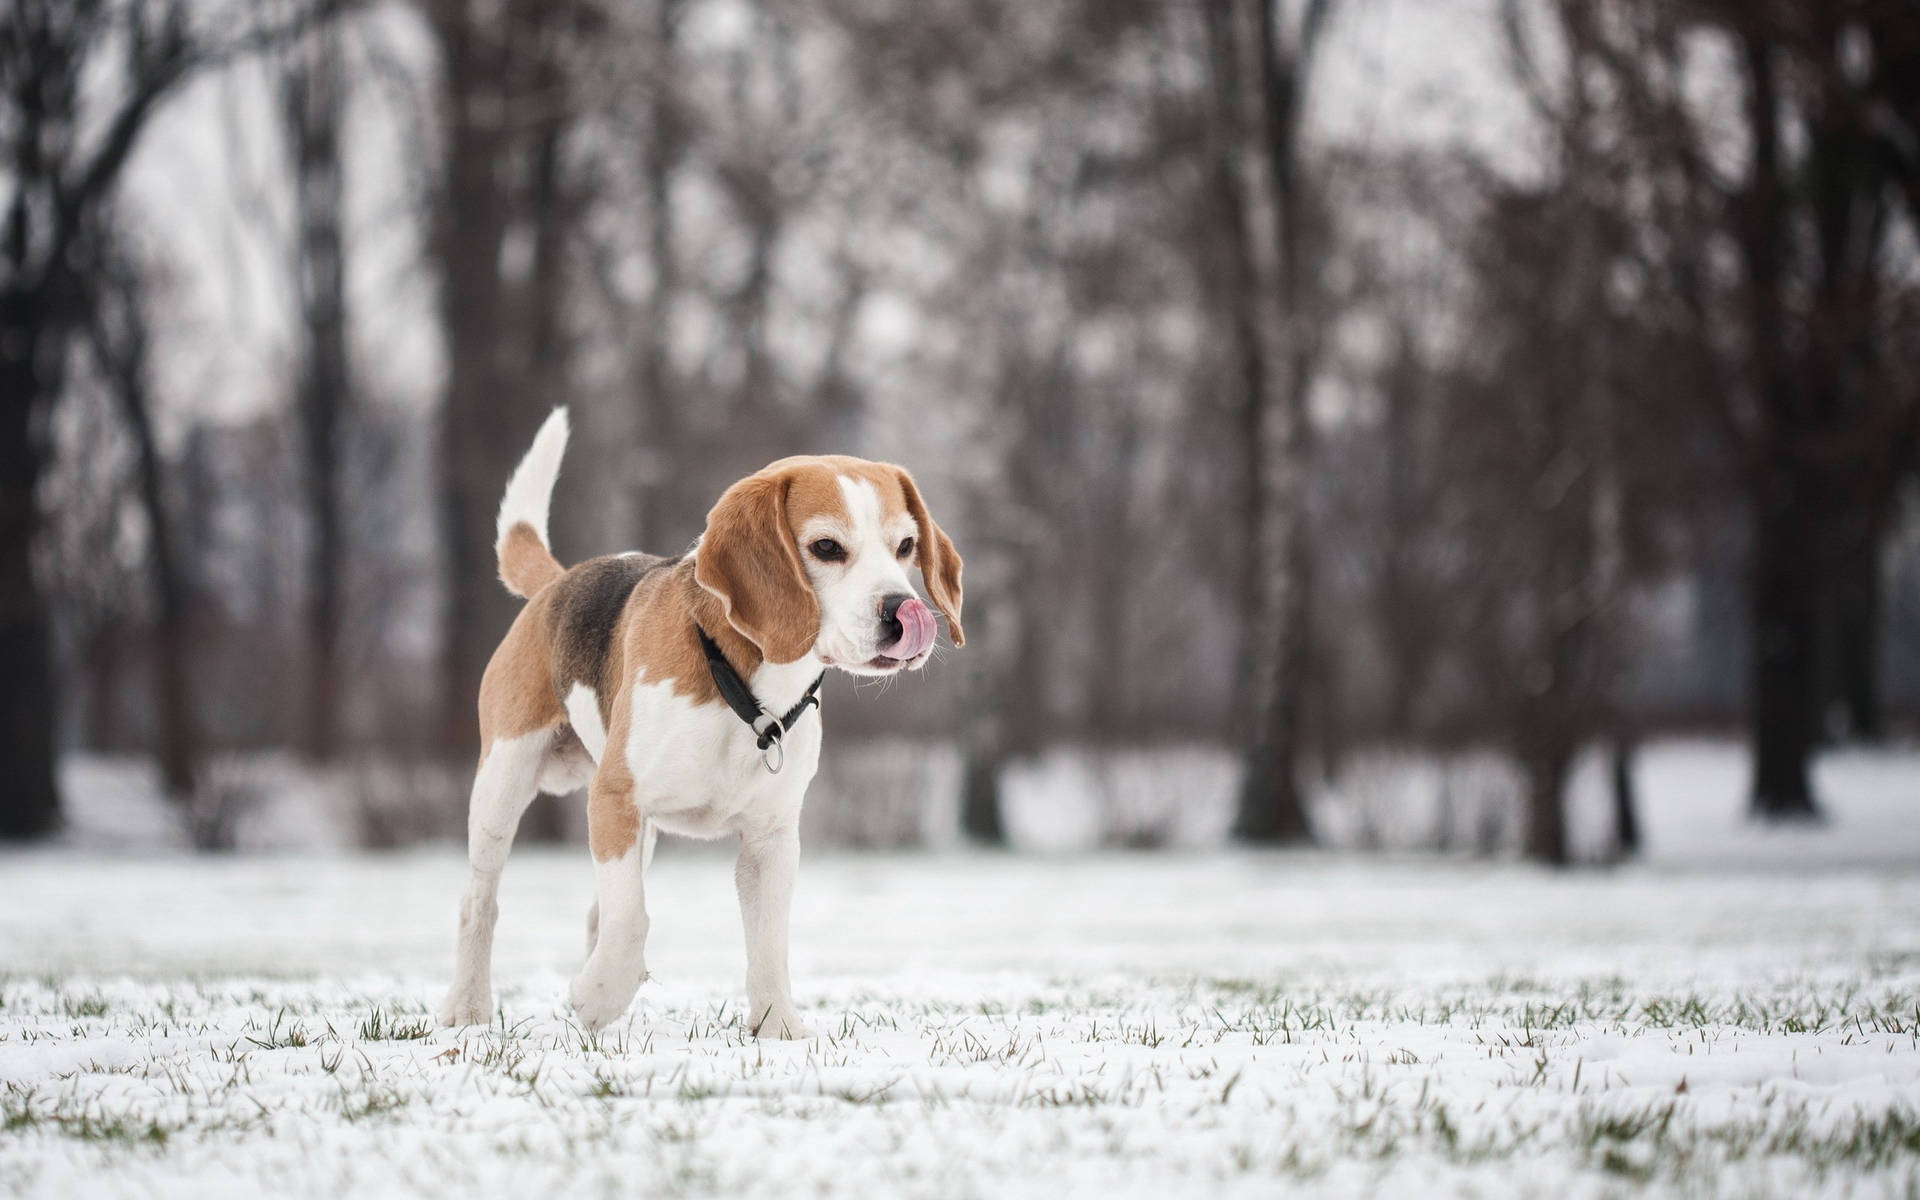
980 817
1546 771
1006 714
1626 807
470 227
542 312
1853 639
102 658
1553 705
1272 808
1261 84
173 694
121 346
986 728
488 414
313 103
1783 590
1241 304
658 401
1012 720
1112 571
30 801
61 170
45 53
56 187
1845 176
1407 633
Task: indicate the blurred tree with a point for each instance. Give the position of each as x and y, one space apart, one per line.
1817 390
1830 418
121 344
81 79
502 212
1077 264
312 104
1534 405
1260 74
659 399
1406 610
90 569
1798 356
1036 168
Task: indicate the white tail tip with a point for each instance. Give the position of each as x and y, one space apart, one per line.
530 491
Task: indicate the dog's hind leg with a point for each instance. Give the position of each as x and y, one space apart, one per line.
507 782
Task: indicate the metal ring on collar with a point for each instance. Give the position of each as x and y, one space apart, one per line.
773 751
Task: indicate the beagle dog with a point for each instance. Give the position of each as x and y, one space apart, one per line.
678 690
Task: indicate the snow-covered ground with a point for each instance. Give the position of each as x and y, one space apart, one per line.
1693 797
1194 1022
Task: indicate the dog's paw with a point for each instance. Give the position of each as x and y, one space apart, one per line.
466 1009
597 1004
782 1024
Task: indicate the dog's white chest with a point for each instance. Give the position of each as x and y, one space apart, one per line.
698 770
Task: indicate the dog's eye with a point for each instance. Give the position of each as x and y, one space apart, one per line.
828 550
906 548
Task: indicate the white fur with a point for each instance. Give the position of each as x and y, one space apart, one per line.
508 781
617 965
529 493
764 876
698 772
850 592
583 710
567 767
697 768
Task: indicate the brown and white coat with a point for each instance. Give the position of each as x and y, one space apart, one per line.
602 681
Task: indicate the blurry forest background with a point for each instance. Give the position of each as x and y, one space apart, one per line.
1500 383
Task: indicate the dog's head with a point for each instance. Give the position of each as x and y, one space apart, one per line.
812 554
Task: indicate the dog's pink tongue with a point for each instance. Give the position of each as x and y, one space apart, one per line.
916 630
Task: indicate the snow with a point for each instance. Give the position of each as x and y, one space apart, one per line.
1692 799
890 792
1740 1014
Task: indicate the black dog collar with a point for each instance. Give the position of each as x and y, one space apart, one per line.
769 729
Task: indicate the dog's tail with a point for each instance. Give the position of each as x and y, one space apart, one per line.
527 563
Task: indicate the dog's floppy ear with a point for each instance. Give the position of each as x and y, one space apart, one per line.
747 558
937 559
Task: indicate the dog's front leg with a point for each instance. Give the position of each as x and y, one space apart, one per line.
618 963
764 874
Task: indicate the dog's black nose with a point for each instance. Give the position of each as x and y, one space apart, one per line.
890 629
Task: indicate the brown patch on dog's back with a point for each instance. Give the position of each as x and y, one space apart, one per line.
589 611
663 624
